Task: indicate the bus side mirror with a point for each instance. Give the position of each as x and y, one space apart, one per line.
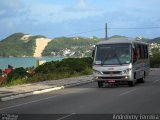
93 52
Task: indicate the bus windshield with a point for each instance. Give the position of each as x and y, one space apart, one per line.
113 54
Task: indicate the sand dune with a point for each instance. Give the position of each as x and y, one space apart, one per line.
41 43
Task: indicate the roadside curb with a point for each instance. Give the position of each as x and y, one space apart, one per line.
36 92
154 69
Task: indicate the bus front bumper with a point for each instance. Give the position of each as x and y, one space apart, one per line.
112 79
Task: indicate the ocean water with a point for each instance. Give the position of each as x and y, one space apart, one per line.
24 62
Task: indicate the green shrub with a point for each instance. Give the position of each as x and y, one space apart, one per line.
155 61
47 67
38 77
72 65
69 67
18 73
18 81
89 61
55 76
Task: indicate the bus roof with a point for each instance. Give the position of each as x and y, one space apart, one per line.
120 40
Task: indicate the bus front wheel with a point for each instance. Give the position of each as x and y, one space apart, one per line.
100 84
131 83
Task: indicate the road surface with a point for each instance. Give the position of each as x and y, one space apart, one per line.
143 98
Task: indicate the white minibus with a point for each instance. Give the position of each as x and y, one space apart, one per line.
120 60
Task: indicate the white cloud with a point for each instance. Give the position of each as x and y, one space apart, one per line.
46 9
84 5
10 8
43 13
36 16
2 12
7 24
10 4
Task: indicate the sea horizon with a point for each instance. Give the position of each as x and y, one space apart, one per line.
24 62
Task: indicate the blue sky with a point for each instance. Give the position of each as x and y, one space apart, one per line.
55 18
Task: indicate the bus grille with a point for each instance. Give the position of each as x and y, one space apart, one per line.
111 72
118 77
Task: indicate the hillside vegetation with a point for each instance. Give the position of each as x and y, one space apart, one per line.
24 45
64 46
15 46
155 40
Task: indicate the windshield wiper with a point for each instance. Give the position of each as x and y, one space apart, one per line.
117 58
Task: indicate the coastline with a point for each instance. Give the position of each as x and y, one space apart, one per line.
25 61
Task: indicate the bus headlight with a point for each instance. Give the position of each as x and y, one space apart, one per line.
126 71
96 72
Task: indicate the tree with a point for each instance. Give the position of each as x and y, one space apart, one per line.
155 58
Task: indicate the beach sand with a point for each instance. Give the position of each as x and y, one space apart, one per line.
41 43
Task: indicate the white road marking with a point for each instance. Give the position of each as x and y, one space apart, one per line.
28 103
65 116
31 93
124 93
156 81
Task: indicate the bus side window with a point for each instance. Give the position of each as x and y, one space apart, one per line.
138 51
134 54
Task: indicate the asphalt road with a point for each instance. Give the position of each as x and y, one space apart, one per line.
143 98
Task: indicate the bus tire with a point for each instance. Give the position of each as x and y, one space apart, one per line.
131 83
142 79
100 84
